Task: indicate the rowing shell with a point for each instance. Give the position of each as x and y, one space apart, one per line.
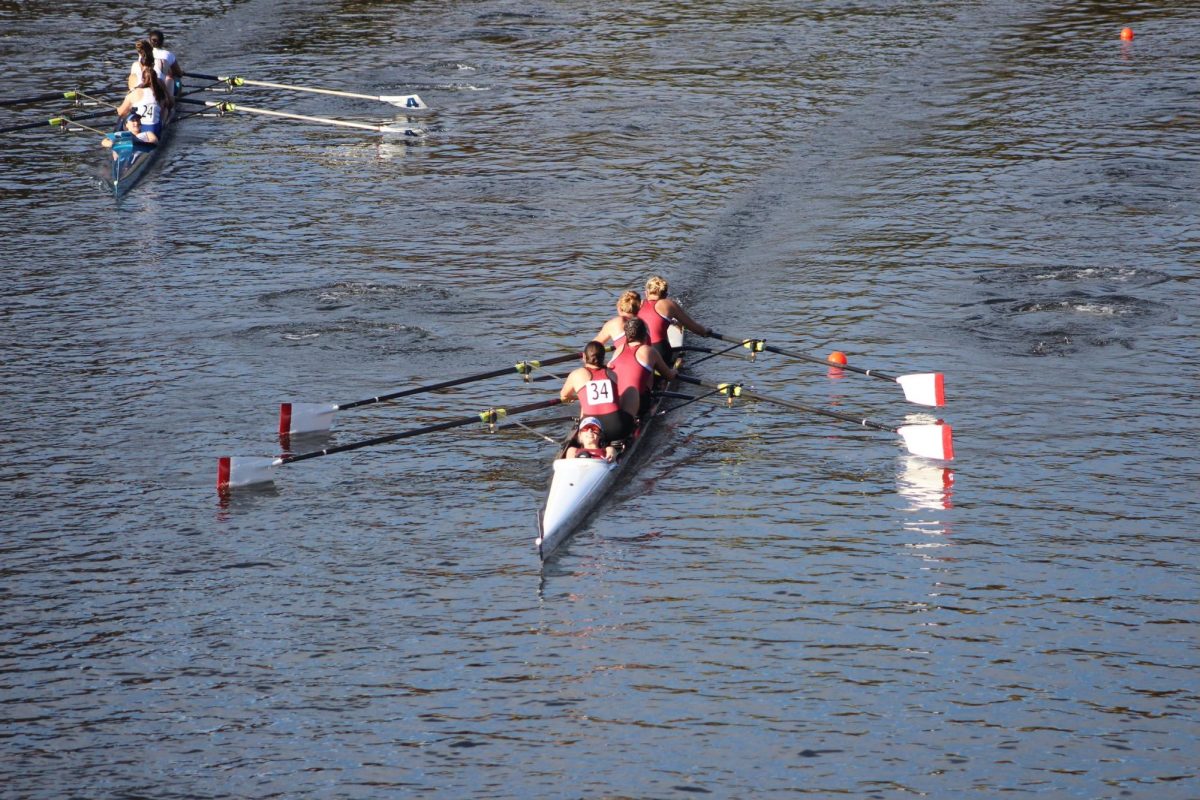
131 162
579 484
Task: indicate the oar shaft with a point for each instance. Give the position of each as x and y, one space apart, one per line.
312 89
233 107
803 357
521 368
737 391
54 121
491 415
71 95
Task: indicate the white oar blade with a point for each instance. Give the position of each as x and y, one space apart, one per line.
235 471
929 441
406 132
926 388
306 417
404 100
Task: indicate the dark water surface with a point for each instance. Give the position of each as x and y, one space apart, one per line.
774 604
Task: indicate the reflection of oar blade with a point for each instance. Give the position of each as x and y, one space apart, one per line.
237 471
298 418
926 389
929 441
409 101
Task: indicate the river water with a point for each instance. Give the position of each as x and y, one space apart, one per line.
775 604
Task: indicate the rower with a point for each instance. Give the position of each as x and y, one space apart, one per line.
658 312
635 364
142 140
590 442
627 308
166 64
148 100
595 386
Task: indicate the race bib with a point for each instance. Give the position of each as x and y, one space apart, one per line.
598 392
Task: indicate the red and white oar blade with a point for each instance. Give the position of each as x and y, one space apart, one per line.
404 100
929 441
925 388
297 418
235 471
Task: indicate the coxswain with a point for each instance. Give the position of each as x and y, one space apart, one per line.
635 364
144 140
166 64
148 100
589 442
658 312
595 386
627 308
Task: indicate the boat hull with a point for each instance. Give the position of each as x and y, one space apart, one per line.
579 484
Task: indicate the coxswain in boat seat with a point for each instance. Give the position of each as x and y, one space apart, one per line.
148 101
658 312
589 442
627 308
635 364
141 140
595 386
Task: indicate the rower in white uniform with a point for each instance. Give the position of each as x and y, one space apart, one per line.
165 63
148 101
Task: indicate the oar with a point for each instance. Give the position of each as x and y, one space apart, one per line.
409 101
71 95
929 441
297 418
55 121
228 108
235 471
926 388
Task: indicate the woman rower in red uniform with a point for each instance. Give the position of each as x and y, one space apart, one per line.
596 388
634 365
627 308
658 310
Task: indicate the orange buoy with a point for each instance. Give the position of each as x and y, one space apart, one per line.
837 357
1126 34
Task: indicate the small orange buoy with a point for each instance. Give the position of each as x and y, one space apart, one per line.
837 357
1126 34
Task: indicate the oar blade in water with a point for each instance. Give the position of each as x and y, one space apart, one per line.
929 441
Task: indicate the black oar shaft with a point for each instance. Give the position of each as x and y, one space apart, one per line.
521 368
72 94
737 391
802 356
492 415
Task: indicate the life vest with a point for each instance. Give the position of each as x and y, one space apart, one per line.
591 452
598 397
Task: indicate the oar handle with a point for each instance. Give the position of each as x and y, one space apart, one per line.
521 368
736 390
759 345
203 77
489 416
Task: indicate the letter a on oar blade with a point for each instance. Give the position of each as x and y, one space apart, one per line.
297 418
234 471
926 388
929 441
404 100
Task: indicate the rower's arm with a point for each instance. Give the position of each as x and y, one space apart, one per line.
677 313
568 391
